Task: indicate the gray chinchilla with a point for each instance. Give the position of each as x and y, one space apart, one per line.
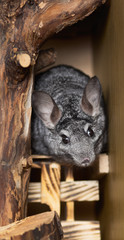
68 120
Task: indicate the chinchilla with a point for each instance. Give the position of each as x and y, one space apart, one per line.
68 120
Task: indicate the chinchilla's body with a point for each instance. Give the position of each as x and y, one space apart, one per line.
68 120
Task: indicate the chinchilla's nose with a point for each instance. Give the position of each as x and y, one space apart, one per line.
85 162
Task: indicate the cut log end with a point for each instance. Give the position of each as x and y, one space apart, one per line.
24 60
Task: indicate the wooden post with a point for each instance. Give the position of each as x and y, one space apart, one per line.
69 204
50 186
24 25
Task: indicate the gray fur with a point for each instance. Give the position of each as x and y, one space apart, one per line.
66 104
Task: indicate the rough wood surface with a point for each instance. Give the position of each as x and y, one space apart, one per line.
42 226
45 59
81 230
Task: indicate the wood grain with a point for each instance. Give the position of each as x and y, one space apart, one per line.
45 59
81 230
80 191
70 204
109 66
86 190
42 226
50 186
34 192
69 191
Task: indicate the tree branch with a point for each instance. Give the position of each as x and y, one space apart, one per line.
36 23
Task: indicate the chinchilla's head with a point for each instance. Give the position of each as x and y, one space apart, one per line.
74 134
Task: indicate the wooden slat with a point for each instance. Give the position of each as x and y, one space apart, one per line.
40 156
70 191
81 230
80 191
50 186
101 166
34 192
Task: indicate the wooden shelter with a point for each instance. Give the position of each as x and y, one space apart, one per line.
24 26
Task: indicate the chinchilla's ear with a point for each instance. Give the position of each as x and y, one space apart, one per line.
46 109
92 96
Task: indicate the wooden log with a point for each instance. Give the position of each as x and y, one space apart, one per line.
42 226
81 230
50 186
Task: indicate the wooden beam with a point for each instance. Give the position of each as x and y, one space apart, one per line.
42 226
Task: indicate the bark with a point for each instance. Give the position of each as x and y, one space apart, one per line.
24 26
42 226
45 59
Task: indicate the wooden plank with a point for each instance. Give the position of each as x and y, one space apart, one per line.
100 167
69 191
81 230
80 191
50 186
40 156
108 44
42 226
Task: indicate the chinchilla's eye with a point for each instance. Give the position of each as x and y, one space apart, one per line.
90 132
65 139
